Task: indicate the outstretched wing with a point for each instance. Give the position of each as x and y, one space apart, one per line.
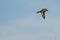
43 15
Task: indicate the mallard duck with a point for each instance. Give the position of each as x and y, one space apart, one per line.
42 12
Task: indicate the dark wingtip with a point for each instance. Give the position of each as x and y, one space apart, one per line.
43 18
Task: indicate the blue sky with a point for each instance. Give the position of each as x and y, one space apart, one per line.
19 20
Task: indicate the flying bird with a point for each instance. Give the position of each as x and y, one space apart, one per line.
42 12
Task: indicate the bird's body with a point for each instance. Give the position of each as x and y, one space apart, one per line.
42 12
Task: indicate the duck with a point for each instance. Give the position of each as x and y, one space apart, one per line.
42 11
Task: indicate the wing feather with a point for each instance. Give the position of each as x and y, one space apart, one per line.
43 15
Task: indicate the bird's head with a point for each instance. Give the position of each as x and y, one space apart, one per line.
38 11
